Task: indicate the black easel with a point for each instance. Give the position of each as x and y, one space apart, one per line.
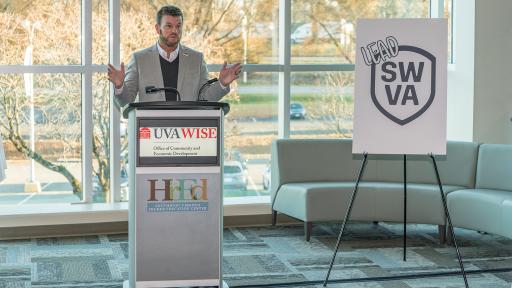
349 210
405 207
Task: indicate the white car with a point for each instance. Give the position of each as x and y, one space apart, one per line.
234 176
339 31
266 178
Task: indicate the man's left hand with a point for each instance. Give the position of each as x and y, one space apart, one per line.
229 74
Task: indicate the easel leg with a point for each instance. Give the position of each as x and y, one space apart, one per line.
450 226
347 216
442 233
405 207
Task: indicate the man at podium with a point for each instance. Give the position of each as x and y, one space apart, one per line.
169 64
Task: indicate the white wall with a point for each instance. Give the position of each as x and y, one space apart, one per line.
461 73
493 76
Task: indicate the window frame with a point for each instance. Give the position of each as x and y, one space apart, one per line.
87 69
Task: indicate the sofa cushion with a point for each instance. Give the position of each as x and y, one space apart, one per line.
315 160
323 201
424 202
478 209
506 218
494 170
321 160
456 168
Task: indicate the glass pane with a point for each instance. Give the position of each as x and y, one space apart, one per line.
322 105
448 13
100 32
56 138
250 128
101 139
323 31
125 168
40 32
235 31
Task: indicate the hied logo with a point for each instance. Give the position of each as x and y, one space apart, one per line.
403 83
173 195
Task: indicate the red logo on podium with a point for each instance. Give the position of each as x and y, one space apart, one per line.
144 133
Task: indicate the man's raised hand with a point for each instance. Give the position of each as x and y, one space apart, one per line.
229 74
116 76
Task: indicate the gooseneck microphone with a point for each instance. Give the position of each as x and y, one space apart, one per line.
153 89
204 86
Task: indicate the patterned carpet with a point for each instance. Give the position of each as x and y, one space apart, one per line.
259 256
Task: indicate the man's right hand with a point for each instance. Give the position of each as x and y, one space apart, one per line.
116 76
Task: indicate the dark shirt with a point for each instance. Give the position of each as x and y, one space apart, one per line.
170 76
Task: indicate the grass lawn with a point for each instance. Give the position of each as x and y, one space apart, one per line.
265 105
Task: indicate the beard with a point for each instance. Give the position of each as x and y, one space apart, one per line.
167 41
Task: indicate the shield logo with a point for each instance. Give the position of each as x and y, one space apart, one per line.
144 133
404 94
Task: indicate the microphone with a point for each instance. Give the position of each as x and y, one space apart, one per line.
153 89
206 84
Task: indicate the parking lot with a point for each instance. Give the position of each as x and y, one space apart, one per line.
55 188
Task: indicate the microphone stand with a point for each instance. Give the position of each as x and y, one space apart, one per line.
153 89
204 86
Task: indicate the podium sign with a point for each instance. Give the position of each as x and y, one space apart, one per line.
175 227
178 238
178 141
400 89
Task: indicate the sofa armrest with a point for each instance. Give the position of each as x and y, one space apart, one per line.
313 160
275 179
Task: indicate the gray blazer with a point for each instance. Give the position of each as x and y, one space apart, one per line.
144 70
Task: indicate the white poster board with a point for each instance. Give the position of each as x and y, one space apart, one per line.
400 89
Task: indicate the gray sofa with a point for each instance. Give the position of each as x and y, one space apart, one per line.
487 207
312 180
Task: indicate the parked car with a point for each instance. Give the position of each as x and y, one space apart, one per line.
297 111
235 155
266 178
234 176
340 31
301 33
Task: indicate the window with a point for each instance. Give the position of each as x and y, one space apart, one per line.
54 133
448 13
235 31
27 23
250 128
101 139
323 32
100 32
322 104
64 48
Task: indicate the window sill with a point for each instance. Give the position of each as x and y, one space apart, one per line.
64 214
242 206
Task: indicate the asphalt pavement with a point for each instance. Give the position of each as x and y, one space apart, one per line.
56 189
61 192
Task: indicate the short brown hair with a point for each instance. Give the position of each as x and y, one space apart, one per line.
169 10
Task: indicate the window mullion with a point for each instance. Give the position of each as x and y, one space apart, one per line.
87 125
115 141
283 119
436 8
